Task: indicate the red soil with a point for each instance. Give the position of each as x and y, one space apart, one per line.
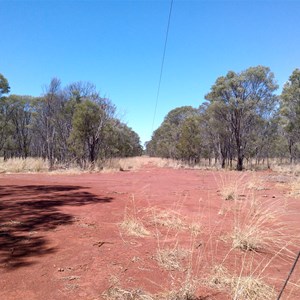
60 236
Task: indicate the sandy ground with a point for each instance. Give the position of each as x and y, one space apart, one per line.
60 235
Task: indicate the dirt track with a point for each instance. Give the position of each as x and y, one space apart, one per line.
60 236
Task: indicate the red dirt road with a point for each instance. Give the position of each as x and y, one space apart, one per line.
60 236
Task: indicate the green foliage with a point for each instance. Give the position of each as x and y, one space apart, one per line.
88 121
121 141
64 125
189 143
239 100
290 112
240 121
4 86
165 139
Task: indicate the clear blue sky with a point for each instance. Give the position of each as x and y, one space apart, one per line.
118 46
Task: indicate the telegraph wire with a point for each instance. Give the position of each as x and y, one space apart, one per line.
162 63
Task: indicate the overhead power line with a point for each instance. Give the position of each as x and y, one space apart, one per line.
162 63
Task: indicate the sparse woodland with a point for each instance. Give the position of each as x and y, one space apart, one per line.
243 120
66 125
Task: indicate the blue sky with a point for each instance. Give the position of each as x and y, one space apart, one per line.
118 46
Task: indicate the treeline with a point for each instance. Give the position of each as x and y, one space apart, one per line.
241 119
64 125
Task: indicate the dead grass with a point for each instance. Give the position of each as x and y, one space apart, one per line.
252 223
123 164
240 287
185 292
195 229
291 169
119 293
295 187
134 227
250 238
230 185
136 163
18 165
229 192
168 218
252 217
256 183
132 224
171 258
256 230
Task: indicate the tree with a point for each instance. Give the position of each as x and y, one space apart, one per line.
239 98
165 139
5 111
48 108
120 141
88 123
218 136
4 86
21 121
189 145
290 111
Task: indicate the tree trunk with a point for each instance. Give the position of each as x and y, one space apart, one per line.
223 162
239 166
291 151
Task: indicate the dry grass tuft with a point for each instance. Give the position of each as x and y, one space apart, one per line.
133 226
295 188
229 192
169 219
250 238
252 228
256 183
185 292
241 287
257 228
195 229
171 259
118 293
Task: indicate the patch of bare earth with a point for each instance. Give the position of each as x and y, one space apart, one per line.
159 233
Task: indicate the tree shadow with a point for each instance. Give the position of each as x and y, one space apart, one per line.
28 211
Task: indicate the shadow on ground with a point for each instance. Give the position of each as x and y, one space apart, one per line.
26 212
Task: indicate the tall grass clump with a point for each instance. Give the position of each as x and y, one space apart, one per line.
246 287
132 224
257 227
19 165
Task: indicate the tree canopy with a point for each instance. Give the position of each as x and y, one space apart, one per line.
242 119
4 86
66 124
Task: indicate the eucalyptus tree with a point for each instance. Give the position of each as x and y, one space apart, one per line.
88 127
165 139
5 111
47 110
21 123
238 99
4 86
218 136
120 141
290 111
190 142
